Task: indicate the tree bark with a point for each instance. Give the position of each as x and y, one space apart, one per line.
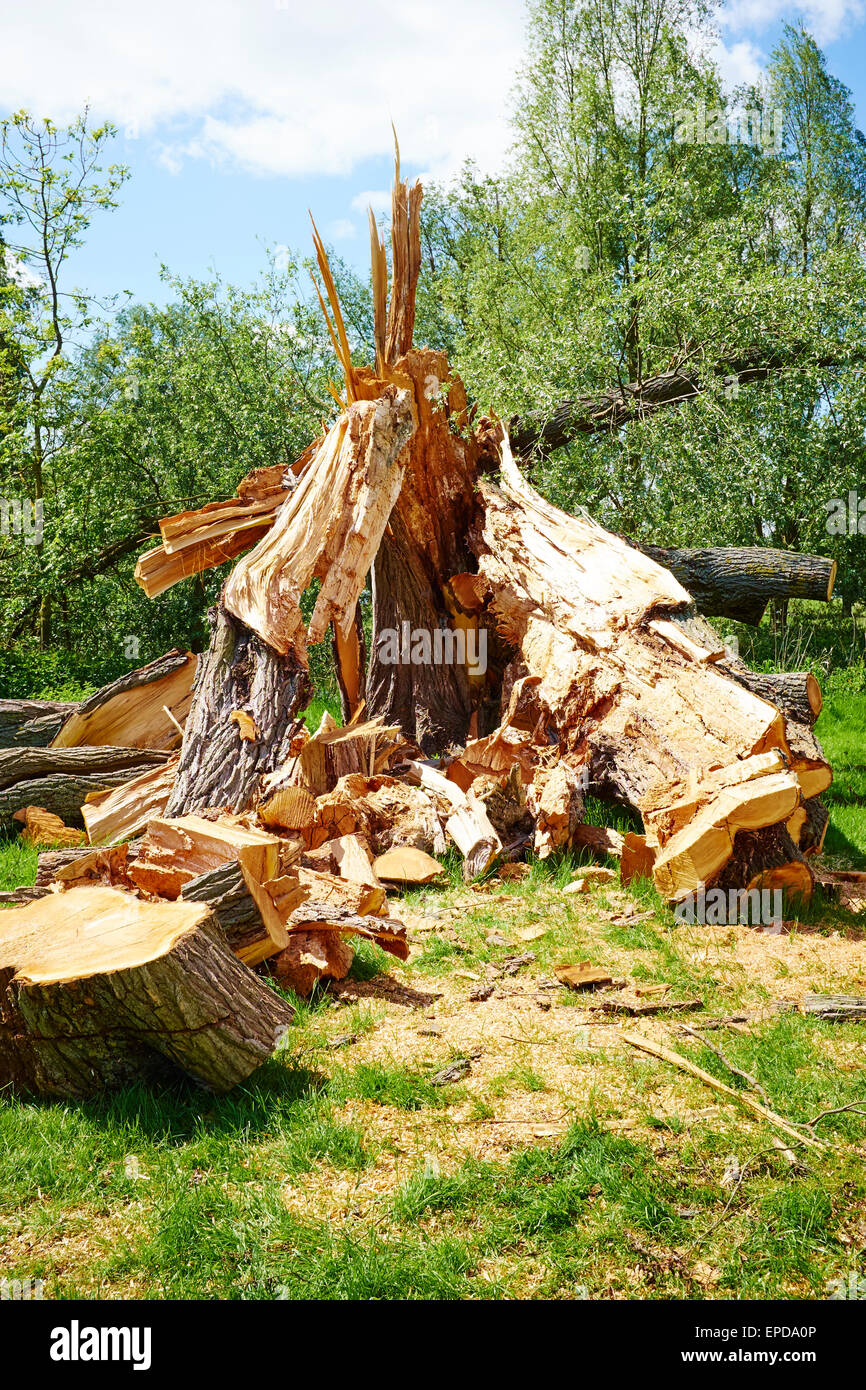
218 768
739 581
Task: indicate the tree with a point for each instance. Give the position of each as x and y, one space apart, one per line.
51 183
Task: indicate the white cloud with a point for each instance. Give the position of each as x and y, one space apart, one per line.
342 230
826 19
275 86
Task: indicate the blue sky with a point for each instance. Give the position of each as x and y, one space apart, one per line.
237 116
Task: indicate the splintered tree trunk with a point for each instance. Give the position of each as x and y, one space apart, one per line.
329 528
98 989
425 544
634 698
240 672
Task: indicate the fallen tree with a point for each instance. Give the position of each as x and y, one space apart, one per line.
520 656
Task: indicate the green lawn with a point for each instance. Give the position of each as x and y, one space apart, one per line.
563 1164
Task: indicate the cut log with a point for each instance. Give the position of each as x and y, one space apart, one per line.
26 764
405 865
796 693
227 894
32 723
555 798
739 581
325 887
217 767
131 712
126 810
468 823
175 851
311 956
52 863
383 931
100 989
63 794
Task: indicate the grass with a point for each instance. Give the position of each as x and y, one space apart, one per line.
562 1164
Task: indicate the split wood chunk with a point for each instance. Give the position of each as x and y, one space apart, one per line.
127 809
681 642
468 824
157 570
99 989
407 865
385 810
575 602
173 852
555 798
386 932
227 891
359 898
796 693
696 854
583 976
638 858
108 866
311 956
329 528
41 827
131 712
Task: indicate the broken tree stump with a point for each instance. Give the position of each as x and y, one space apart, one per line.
99 989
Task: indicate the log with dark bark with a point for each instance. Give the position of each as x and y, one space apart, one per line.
739 581
162 991
218 768
25 764
226 892
63 794
32 723
796 693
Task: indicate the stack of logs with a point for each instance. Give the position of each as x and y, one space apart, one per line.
225 843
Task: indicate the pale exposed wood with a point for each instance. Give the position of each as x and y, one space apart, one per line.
359 898
695 854
173 852
555 798
407 865
681 642
129 713
651 724
98 989
329 528
125 810
468 823
41 827
311 956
